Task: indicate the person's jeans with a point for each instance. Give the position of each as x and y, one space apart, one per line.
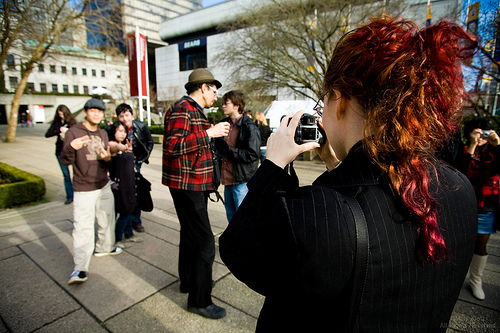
67 179
123 228
233 197
263 154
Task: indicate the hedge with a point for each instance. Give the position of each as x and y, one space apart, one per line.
20 187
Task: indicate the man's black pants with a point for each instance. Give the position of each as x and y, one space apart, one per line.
197 245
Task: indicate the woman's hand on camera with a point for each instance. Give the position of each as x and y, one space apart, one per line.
281 146
493 139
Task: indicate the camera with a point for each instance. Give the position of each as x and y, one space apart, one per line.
485 134
308 130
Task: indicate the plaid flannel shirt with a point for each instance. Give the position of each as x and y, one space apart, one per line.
187 156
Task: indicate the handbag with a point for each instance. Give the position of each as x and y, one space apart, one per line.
143 191
215 174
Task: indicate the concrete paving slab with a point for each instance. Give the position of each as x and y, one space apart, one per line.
166 312
165 233
29 297
470 318
163 218
10 252
115 283
234 292
78 321
33 231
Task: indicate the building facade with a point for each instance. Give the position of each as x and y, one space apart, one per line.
199 43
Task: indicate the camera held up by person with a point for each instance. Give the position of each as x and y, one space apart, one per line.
308 130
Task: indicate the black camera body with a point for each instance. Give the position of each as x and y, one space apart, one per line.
308 130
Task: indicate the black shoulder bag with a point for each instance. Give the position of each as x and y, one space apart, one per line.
215 174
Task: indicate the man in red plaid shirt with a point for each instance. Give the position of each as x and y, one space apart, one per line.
187 171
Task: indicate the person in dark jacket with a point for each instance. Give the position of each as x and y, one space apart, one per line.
392 93
238 152
63 120
142 143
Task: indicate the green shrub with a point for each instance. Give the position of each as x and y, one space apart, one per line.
156 129
20 187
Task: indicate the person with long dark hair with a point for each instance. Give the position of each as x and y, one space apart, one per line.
392 92
63 120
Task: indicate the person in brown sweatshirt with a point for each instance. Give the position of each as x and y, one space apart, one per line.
86 149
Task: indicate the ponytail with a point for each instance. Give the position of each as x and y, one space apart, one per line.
409 83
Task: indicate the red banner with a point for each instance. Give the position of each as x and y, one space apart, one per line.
137 64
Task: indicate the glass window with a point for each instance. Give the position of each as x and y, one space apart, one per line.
103 73
94 73
75 89
43 87
73 69
40 68
11 62
13 83
84 71
52 68
86 90
54 87
65 88
193 58
63 69
31 86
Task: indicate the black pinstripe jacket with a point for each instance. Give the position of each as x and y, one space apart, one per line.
296 247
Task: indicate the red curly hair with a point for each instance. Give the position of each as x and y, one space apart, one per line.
410 85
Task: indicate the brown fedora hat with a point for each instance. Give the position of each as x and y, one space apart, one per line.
202 75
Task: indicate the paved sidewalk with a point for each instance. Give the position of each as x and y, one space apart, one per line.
138 291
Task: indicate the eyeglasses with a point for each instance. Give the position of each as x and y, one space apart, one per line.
227 103
213 89
319 107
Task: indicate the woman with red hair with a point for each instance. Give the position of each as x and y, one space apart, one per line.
392 92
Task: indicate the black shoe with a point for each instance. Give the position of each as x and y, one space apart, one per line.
185 290
67 202
212 311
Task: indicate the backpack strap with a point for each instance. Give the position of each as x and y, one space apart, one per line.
361 261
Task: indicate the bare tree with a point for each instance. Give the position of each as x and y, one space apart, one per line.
483 98
288 43
37 27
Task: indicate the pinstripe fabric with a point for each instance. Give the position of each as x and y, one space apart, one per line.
296 247
187 158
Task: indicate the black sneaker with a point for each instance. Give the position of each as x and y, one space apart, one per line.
212 311
77 277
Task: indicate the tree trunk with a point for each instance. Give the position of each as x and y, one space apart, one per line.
16 101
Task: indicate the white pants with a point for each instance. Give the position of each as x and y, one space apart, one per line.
87 206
